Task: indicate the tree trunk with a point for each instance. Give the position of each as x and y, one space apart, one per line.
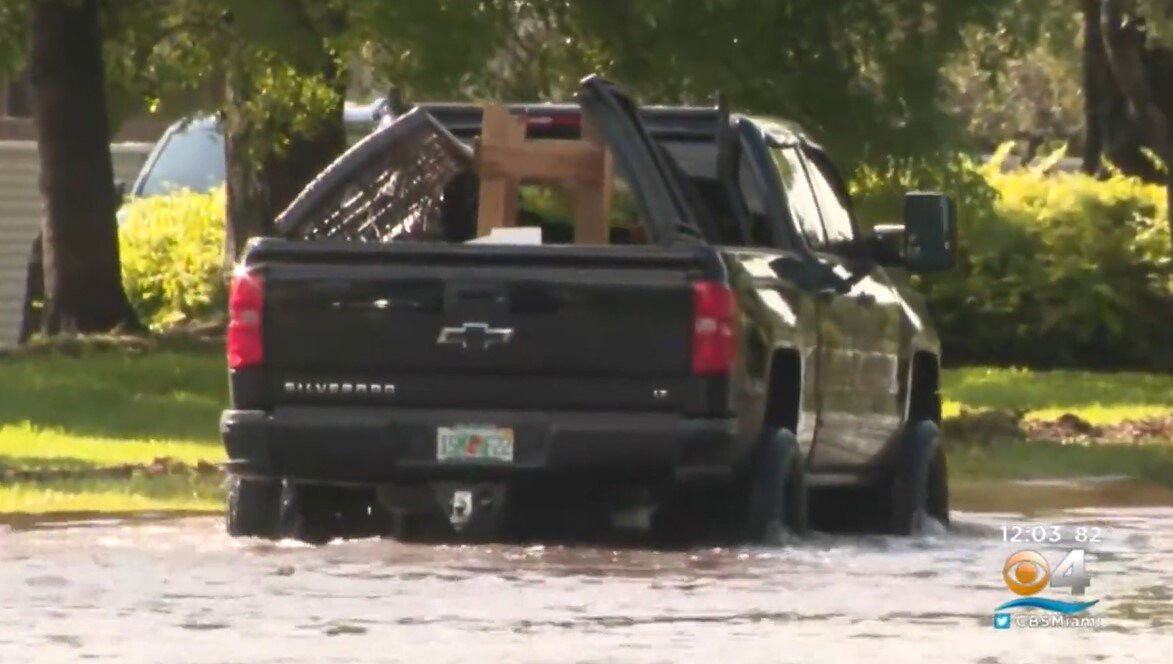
261 183
1134 67
1096 83
248 211
82 278
1112 130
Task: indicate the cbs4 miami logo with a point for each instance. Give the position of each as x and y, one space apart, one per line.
1026 573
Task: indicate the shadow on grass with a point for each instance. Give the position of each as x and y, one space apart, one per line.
165 394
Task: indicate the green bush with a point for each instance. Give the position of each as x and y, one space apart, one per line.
171 256
1053 270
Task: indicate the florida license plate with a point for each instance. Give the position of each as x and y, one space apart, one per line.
474 443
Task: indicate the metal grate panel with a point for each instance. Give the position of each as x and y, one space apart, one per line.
389 187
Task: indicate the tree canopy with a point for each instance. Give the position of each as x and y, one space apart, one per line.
879 82
849 70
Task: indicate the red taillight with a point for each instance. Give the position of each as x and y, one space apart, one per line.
714 321
246 302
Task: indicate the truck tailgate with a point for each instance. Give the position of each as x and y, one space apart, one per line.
478 323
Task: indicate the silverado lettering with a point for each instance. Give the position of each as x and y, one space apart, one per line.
297 387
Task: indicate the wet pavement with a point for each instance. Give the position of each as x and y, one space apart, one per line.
153 590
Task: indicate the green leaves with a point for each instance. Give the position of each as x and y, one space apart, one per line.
1020 78
1158 15
1053 269
427 48
171 257
863 75
13 23
164 56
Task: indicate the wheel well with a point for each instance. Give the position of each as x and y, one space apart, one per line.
785 393
924 396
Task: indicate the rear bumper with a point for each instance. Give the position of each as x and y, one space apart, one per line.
381 445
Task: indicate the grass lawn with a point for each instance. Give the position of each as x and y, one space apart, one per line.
170 492
1099 398
95 408
107 407
104 408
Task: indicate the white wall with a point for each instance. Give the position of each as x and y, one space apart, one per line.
20 213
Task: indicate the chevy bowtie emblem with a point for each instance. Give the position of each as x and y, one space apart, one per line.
474 336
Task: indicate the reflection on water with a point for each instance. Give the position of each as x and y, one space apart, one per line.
152 590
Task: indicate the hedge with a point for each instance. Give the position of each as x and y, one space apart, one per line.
1056 269
171 249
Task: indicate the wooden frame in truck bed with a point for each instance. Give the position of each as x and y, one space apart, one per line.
505 159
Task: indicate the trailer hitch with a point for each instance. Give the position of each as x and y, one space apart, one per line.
461 506
471 509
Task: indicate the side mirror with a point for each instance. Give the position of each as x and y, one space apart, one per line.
930 232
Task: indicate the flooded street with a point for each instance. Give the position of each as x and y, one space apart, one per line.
179 590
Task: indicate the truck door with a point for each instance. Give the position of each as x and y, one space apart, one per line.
859 327
857 319
803 212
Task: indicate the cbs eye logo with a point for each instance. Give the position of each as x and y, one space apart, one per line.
1027 572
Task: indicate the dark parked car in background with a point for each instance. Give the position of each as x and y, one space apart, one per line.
190 153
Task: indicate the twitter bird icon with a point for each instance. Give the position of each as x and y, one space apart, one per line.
1001 621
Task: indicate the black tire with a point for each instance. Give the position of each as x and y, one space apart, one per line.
777 491
920 482
318 513
915 487
309 513
253 507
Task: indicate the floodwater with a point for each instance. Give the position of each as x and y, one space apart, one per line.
154 590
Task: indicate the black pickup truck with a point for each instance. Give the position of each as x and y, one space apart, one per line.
740 354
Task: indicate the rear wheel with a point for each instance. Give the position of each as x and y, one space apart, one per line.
253 507
766 503
920 485
316 514
777 493
912 499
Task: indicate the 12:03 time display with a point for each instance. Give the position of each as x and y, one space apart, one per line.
1052 533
